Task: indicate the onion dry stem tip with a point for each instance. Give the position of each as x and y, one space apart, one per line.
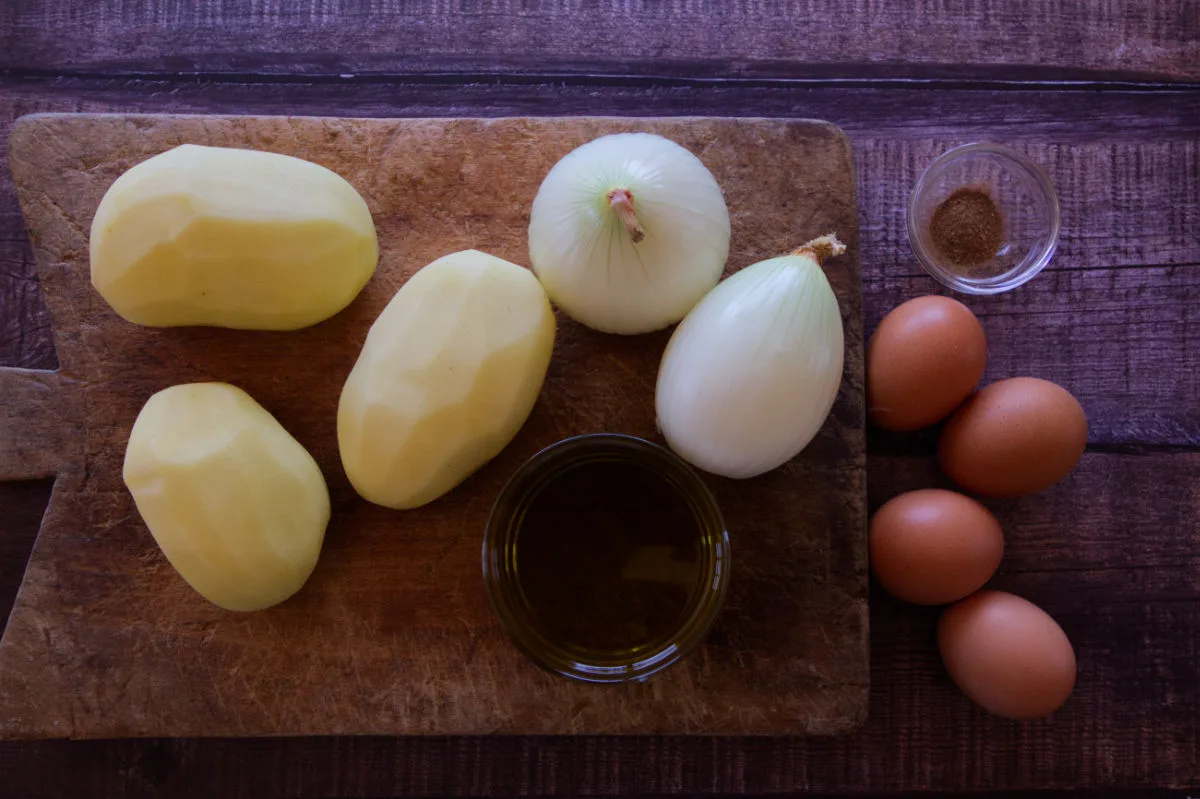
821 248
621 201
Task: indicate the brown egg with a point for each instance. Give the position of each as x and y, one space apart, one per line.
923 360
1007 655
1014 437
932 546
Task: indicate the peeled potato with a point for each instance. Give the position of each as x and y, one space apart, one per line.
236 504
231 238
449 373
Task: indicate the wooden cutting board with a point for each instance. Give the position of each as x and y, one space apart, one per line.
393 633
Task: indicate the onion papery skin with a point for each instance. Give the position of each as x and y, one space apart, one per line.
749 377
586 257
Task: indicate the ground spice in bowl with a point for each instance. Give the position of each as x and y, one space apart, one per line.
967 227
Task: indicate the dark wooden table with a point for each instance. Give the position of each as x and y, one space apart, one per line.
1105 95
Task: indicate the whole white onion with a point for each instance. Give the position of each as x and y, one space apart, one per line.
750 375
628 232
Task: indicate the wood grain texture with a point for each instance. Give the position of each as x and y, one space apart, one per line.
34 425
1120 582
909 110
1129 726
392 634
769 39
21 508
1118 296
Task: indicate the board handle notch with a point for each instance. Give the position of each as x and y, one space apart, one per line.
33 425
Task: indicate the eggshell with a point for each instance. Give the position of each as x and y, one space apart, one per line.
933 546
924 359
1007 655
1014 437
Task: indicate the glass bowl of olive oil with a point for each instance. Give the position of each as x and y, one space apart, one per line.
606 558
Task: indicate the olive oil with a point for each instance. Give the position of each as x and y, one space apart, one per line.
608 557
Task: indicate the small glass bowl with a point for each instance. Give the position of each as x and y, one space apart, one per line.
499 558
1025 198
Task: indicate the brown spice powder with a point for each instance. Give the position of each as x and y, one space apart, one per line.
967 228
